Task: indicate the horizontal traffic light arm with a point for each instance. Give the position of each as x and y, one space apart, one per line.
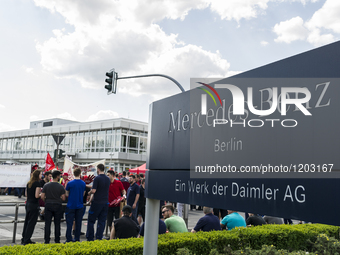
149 75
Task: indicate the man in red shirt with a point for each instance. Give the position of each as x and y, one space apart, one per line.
116 190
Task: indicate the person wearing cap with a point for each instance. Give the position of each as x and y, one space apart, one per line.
124 227
64 180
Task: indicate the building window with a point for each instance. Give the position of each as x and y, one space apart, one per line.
109 142
143 143
133 142
9 145
29 145
79 142
51 145
17 148
4 145
65 144
117 140
100 142
93 141
35 144
132 132
44 144
87 142
48 124
123 143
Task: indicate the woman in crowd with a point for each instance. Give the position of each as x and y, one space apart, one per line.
33 189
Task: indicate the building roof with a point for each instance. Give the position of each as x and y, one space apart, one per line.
66 126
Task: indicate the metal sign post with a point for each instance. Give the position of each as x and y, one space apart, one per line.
58 139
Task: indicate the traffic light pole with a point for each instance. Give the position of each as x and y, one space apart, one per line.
152 205
149 75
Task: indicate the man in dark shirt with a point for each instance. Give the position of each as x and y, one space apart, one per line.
47 178
255 220
125 181
53 194
124 227
207 223
141 203
99 205
133 196
272 220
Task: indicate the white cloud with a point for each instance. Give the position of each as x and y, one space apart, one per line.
103 115
123 35
118 34
66 116
236 9
264 43
328 17
34 118
232 73
319 30
179 63
29 70
318 40
2 106
290 30
304 2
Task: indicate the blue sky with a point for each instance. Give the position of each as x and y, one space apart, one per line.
54 54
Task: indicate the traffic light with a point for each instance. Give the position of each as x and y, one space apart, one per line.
61 152
111 82
58 154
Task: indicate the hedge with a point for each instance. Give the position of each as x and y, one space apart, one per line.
288 237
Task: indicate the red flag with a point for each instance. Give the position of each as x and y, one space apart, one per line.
116 201
49 164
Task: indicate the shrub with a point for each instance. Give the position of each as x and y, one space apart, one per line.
281 237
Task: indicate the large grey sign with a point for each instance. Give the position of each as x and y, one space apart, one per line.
189 131
287 128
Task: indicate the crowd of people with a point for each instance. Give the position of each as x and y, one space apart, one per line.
116 200
106 196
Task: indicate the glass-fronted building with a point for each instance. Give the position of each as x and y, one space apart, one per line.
122 142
